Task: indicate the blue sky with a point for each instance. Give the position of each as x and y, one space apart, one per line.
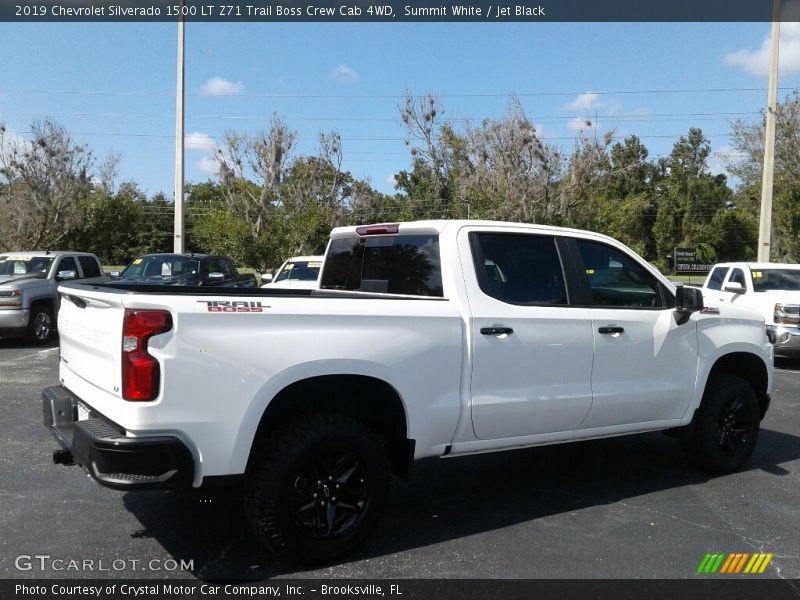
113 85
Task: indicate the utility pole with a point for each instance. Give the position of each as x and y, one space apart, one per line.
178 246
765 221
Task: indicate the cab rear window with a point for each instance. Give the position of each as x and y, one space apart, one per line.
386 264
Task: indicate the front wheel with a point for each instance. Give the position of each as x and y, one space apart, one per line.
40 325
317 488
725 428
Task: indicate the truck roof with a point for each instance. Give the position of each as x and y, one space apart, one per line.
305 258
44 253
759 265
440 225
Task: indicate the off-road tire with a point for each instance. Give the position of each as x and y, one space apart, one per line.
290 493
725 427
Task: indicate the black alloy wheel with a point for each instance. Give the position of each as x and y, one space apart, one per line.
724 431
316 487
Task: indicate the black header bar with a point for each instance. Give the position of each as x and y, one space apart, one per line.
444 11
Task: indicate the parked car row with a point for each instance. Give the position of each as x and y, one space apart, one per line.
184 270
29 300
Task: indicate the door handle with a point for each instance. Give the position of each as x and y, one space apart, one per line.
610 329
496 330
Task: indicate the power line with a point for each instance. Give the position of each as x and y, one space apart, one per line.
545 118
367 138
401 96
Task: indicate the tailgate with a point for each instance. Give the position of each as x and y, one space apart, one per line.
90 334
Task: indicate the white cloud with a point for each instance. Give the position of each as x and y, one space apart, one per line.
585 102
579 124
390 180
756 62
208 165
217 86
203 144
343 74
199 142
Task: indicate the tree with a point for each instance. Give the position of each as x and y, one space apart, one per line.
266 156
688 196
112 221
510 173
748 141
45 182
435 151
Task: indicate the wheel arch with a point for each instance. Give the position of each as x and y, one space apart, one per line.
48 303
369 400
748 366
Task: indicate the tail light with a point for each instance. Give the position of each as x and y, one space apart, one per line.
140 371
787 314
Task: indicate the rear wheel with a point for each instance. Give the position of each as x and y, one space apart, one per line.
725 428
40 325
317 488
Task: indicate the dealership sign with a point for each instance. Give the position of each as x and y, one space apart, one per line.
695 260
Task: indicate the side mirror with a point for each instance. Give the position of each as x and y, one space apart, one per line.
734 288
114 274
266 277
215 276
63 275
688 299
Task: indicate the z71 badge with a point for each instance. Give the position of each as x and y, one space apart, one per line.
234 306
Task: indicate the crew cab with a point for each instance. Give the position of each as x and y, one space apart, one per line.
426 339
184 270
28 283
771 289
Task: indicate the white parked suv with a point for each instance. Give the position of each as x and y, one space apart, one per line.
299 272
431 338
771 289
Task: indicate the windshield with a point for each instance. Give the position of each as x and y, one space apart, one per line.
776 279
173 269
20 265
301 270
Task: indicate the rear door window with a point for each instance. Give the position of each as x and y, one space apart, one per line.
387 264
519 268
89 266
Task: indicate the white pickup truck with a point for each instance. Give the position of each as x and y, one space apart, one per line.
771 289
433 338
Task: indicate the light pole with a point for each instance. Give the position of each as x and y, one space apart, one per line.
765 220
178 241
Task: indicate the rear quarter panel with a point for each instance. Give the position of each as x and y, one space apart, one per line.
220 370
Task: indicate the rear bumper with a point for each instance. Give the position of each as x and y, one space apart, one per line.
108 455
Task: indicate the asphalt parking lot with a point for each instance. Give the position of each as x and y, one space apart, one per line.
628 507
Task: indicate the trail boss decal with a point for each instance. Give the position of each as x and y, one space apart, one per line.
234 306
